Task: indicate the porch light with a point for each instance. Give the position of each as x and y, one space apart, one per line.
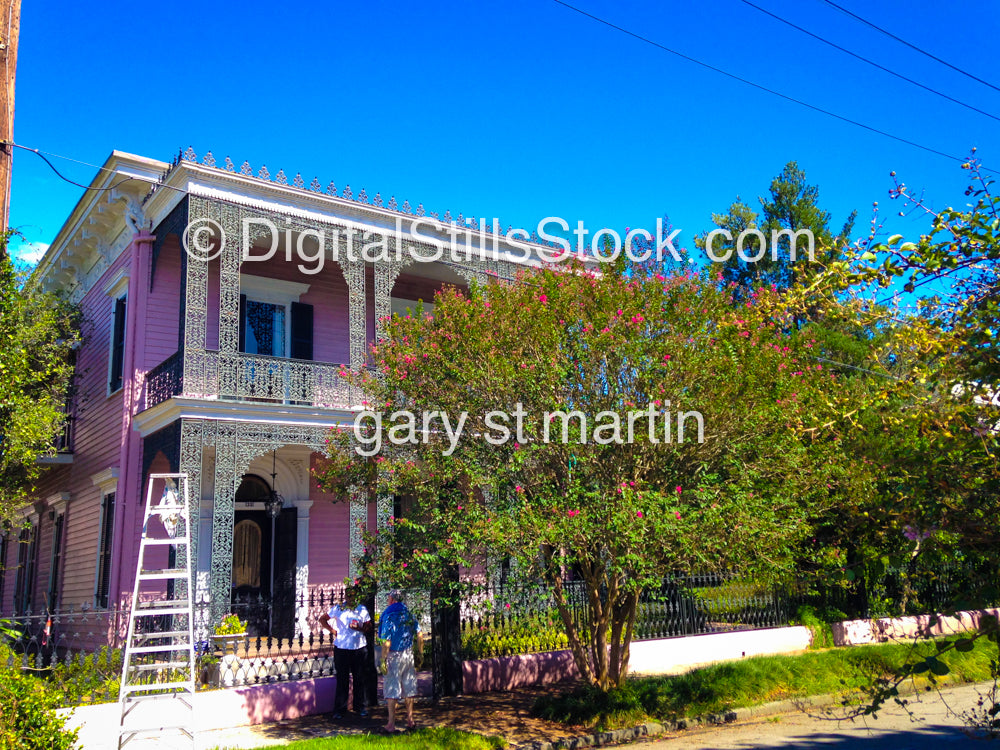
274 501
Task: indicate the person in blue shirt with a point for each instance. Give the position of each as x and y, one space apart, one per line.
397 630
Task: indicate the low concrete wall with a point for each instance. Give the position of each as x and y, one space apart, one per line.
666 656
859 632
213 709
259 704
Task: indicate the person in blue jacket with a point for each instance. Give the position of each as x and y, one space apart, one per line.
397 629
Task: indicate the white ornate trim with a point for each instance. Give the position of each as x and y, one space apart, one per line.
106 480
58 502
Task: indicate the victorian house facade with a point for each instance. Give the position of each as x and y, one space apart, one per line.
221 307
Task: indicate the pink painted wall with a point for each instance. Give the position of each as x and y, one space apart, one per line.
329 531
161 318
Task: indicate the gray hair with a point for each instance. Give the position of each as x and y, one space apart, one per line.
397 595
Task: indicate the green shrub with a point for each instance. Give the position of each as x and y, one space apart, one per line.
28 720
531 634
87 678
818 622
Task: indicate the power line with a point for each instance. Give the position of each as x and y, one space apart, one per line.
66 179
911 46
870 62
748 82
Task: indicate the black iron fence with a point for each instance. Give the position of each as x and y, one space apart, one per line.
82 651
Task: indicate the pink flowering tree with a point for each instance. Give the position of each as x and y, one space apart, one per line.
622 426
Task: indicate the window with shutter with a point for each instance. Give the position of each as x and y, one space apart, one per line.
24 583
103 586
117 346
56 563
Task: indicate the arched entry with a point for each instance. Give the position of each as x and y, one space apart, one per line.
263 572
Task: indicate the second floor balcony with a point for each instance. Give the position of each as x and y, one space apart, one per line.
243 377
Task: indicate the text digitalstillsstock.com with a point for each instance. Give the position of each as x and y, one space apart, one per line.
205 240
655 422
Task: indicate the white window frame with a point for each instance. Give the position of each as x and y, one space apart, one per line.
57 509
107 482
116 289
274 292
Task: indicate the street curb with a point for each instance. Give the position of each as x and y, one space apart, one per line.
652 729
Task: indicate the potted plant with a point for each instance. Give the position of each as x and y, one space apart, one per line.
230 630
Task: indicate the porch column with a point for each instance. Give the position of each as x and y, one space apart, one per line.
229 299
302 568
224 506
354 275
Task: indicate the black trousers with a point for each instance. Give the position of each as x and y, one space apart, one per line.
350 664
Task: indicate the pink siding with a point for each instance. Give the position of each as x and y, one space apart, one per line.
161 318
98 444
212 327
329 530
408 286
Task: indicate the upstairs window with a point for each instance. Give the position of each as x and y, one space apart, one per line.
117 363
273 323
24 582
262 328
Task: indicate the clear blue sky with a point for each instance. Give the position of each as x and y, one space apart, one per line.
517 109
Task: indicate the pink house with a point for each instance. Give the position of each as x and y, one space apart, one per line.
221 307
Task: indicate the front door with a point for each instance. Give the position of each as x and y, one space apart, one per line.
252 569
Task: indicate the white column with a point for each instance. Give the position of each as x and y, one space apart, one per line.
302 568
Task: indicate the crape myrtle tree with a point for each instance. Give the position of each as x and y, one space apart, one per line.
38 334
624 425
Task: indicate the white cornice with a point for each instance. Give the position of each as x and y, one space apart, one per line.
217 184
172 409
58 502
97 229
106 480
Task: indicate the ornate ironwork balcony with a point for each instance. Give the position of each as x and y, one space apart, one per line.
165 380
290 381
251 377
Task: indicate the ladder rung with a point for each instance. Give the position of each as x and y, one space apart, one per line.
188 686
159 604
134 700
164 634
157 666
133 734
160 649
176 540
159 575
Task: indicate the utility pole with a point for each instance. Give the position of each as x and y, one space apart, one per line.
10 24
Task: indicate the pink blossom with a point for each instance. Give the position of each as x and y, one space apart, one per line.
572 513
639 514
678 514
543 299
678 489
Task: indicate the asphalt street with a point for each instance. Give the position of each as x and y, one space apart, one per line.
934 725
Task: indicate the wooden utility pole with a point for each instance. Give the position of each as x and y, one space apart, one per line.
10 24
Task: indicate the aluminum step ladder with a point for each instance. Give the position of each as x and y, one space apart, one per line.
158 674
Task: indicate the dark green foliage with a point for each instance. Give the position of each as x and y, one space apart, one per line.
27 710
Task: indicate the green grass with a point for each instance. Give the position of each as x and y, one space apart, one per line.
752 682
439 738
